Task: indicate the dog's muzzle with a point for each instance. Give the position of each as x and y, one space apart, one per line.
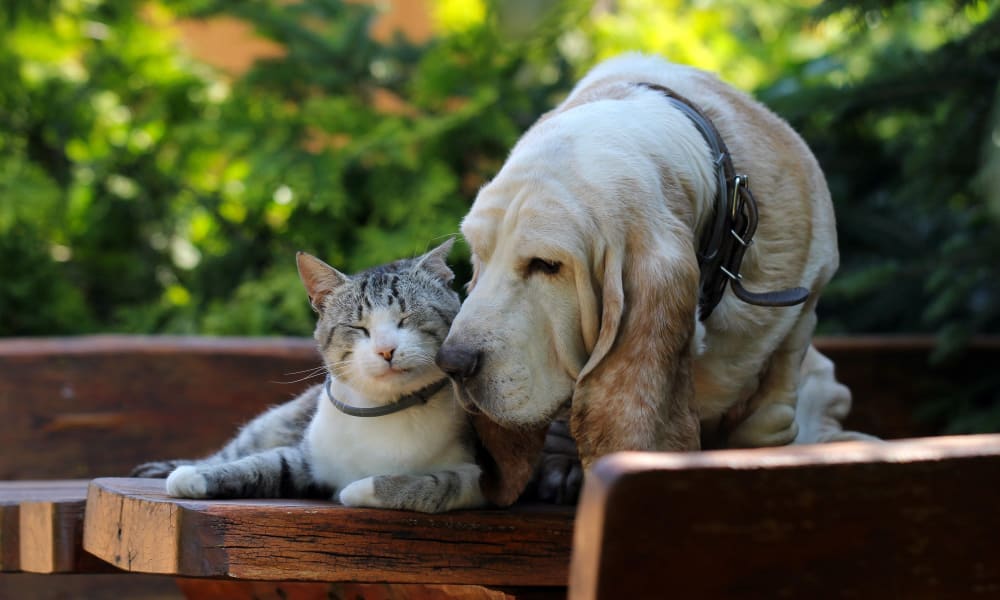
461 363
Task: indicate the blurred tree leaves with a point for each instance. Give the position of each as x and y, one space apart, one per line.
905 147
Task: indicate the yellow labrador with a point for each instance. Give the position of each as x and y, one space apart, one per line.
597 286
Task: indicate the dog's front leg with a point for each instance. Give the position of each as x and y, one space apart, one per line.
771 419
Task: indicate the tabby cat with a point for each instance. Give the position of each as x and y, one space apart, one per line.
384 430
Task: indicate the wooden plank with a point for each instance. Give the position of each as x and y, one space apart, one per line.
90 586
15 495
52 538
210 589
132 524
908 519
890 377
94 406
64 399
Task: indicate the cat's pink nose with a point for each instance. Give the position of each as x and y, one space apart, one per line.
386 353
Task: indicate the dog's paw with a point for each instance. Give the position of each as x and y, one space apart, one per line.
770 425
187 482
848 436
558 477
360 493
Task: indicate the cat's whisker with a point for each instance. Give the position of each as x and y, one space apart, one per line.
310 369
417 361
309 374
467 406
423 358
340 365
299 380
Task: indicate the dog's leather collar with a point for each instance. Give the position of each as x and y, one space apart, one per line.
420 396
734 222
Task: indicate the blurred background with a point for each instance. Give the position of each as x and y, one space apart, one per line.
160 163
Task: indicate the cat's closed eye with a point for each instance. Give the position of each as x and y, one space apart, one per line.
363 330
402 320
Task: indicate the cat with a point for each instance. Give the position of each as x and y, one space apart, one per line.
384 430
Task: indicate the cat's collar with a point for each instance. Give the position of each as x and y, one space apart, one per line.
416 398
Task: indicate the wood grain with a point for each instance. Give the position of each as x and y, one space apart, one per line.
132 524
52 538
891 377
906 519
89 586
97 406
19 527
211 589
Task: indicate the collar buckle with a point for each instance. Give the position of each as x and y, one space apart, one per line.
719 255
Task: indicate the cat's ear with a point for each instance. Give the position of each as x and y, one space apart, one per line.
319 278
434 262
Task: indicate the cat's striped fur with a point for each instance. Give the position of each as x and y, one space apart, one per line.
378 333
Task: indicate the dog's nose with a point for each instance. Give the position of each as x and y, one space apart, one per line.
459 362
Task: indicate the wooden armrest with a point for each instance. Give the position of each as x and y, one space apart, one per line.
134 525
907 519
41 527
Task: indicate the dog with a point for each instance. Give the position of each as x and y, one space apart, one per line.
625 276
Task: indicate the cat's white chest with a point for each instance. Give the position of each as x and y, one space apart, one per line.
344 448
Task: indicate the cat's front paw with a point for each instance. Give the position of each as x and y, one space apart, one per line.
360 493
187 482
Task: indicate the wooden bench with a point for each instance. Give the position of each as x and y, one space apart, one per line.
94 407
135 526
80 408
905 519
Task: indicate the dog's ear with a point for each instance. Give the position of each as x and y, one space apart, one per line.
635 391
507 457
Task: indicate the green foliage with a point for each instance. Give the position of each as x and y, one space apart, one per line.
91 111
906 150
174 200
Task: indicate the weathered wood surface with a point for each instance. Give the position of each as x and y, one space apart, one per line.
41 531
891 376
51 533
212 589
33 536
132 524
97 406
906 519
89 586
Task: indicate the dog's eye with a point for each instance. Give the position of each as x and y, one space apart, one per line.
540 265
